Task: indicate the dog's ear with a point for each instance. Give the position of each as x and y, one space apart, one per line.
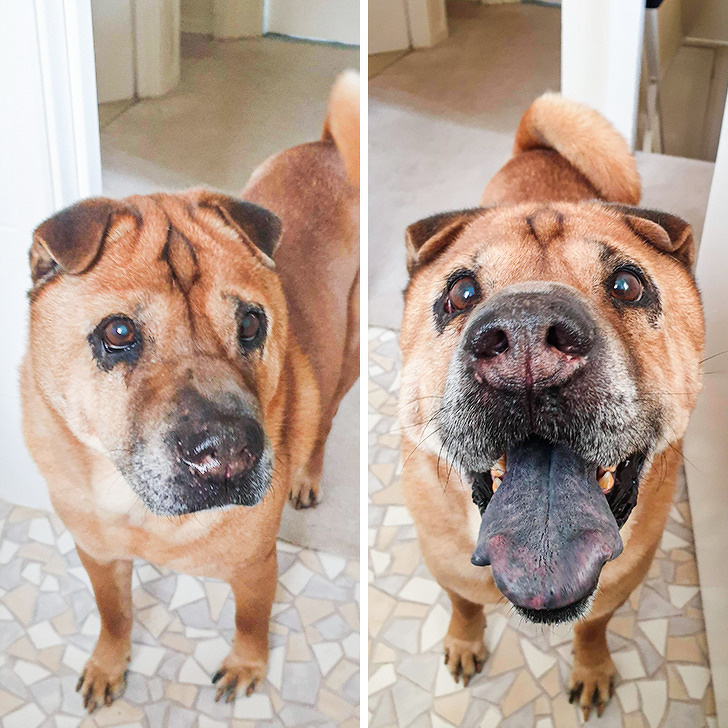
427 238
71 240
258 225
666 232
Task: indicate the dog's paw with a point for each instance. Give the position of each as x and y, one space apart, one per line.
233 678
305 493
592 686
100 685
464 658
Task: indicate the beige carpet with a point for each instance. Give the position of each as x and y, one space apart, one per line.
441 123
237 103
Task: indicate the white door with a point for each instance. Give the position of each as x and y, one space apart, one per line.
49 146
335 21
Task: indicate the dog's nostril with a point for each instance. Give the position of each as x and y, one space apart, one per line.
566 341
491 343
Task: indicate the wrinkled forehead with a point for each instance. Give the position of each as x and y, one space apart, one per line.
160 237
554 242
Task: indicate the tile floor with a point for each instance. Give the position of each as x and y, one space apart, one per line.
657 639
182 630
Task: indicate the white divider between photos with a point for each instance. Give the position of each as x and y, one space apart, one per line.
49 146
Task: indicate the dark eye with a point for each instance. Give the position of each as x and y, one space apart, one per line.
624 285
462 294
119 333
251 327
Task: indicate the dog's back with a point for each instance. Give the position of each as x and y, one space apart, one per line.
314 190
565 151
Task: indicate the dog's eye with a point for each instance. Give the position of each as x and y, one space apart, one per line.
251 327
118 333
462 294
624 285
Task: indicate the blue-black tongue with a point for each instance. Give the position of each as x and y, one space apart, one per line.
548 529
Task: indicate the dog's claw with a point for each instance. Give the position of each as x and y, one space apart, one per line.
101 686
228 691
304 492
87 697
596 700
464 659
575 693
233 679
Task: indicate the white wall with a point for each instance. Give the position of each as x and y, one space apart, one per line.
197 16
49 147
223 18
327 20
136 47
601 56
388 30
114 49
400 24
427 22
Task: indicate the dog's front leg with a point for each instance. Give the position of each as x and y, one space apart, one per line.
104 677
254 589
592 678
464 646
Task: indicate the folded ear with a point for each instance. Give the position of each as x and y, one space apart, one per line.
71 240
666 232
259 225
427 238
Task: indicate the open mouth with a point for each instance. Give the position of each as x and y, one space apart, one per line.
550 521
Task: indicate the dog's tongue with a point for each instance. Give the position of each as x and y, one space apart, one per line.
548 530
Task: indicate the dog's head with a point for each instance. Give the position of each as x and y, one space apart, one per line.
158 334
551 351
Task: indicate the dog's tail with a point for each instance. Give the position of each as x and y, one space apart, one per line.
573 150
342 122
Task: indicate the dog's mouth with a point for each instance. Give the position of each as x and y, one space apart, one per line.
550 521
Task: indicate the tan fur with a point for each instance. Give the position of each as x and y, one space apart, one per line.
593 154
532 240
342 123
72 411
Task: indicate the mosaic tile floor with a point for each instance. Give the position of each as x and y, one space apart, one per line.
182 630
657 639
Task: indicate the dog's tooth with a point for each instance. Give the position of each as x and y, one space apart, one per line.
496 484
499 469
606 482
608 469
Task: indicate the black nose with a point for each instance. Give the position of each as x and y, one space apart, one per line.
225 448
525 340
216 443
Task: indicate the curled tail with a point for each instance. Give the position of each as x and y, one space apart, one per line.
574 151
342 122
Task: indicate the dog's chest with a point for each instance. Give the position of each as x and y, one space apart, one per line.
125 527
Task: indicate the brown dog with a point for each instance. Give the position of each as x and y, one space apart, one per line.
551 349
179 384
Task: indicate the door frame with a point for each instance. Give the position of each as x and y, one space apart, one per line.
49 143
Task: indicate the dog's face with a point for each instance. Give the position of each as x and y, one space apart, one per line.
158 334
550 354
